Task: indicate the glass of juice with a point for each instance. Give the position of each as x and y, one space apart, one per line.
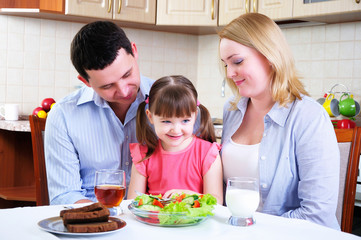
110 189
242 198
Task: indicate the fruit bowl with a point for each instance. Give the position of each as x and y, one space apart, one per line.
157 218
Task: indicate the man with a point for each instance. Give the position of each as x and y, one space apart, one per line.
91 128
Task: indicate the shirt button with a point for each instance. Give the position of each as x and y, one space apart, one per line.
264 134
263 157
127 137
264 185
127 163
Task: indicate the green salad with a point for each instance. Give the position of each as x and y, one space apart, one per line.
180 210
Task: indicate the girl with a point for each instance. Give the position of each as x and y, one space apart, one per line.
173 160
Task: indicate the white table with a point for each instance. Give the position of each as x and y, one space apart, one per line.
21 223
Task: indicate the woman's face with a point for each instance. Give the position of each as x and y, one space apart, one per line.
248 68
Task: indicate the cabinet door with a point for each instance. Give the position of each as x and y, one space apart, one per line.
231 9
275 9
187 12
89 8
135 10
42 5
306 8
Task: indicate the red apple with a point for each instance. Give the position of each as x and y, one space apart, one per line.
36 110
46 103
345 123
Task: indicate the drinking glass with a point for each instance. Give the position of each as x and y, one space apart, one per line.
110 189
242 198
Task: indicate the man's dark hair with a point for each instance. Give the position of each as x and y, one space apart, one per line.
96 46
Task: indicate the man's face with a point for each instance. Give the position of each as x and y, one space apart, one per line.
119 82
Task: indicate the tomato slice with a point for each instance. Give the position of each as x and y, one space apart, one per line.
157 203
196 204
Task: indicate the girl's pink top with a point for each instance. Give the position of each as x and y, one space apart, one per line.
175 170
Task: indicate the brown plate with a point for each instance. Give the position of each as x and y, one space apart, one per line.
55 225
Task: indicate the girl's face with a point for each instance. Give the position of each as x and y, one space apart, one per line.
248 68
175 133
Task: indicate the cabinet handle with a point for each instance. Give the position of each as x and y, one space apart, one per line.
119 6
212 10
357 1
246 7
109 5
254 5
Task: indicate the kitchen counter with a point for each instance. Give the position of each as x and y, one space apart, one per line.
22 125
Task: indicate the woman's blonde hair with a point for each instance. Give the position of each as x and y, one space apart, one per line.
259 32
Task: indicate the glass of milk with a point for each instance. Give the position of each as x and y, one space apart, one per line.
242 198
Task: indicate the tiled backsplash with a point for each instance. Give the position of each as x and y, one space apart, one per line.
35 59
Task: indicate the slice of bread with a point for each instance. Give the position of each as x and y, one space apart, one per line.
92 207
86 217
92 227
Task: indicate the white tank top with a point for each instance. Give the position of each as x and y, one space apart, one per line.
240 160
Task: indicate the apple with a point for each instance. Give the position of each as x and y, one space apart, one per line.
46 103
42 114
36 110
346 123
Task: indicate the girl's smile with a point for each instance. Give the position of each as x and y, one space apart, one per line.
175 133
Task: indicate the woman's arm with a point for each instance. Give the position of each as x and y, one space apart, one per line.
137 183
318 164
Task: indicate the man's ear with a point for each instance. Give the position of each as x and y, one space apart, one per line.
84 80
149 115
134 50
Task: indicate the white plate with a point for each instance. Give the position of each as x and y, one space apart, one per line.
55 225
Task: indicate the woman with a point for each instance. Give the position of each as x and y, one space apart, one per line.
272 129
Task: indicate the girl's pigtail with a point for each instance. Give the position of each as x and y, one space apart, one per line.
206 128
144 132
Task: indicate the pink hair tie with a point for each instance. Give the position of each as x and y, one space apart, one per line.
198 103
146 99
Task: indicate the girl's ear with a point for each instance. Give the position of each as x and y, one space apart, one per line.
149 115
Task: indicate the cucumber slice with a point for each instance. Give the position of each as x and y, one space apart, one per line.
149 208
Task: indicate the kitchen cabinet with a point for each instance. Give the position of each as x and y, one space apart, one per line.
17 181
56 6
275 9
327 10
187 12
131 10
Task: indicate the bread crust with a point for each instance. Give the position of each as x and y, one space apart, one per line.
92 227
93 207
86 217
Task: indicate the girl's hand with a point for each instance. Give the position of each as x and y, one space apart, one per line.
170 193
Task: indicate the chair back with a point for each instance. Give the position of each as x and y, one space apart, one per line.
37 126
349 142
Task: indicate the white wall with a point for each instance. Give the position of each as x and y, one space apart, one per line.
35 59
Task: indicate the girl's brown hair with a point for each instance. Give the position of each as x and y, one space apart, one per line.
171 96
